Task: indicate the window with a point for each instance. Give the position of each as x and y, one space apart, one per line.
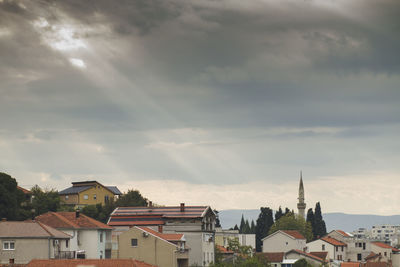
337 248
134 242
101 237
66 197
66 243
106 199
8 245
323 247
359 256
342 248
85 197
363 245
94 196
385 254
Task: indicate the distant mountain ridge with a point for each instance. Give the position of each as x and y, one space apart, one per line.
342 221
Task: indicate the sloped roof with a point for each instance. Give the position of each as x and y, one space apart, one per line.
166 212
89 262
114 189
383 245
29 229
168 237
334 241
74 190
343 233
25 191
350 264
68 220
306 254
320 254
293 233
224 250
371 256
272 256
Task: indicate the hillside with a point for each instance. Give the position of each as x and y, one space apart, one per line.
346 222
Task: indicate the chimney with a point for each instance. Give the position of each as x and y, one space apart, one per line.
3 219
77 213
160 229
182 207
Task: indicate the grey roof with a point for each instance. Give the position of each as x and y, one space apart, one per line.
114 189
29 229
74 190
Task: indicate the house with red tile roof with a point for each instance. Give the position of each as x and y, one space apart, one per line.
300 254
336 249
89 237
23 241
151 246
384 250
274 258
88 262
283 241
197 223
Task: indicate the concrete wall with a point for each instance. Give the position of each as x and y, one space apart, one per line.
89 241
386 253
317 246
100 193
150 249
396 260
280 242
70 199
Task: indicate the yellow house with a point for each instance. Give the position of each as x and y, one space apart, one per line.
153 247
88 193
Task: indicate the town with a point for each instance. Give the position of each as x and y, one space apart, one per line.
78 231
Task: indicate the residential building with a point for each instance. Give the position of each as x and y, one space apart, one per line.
85 193
385 251
222 237
157 248
296 254
274 258
24 241
89 238
89 263
357 248
228 256
283 241
197 223
336 249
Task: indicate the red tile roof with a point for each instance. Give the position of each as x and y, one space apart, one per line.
25 191
372 256
89 262
293 233
383 245
306 254
376 264
224 250
68 220
350 264
320 254
333 241
168 237
343 233
272 256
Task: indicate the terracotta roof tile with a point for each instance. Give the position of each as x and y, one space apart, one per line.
89 262
68 220
168 237
320 254
371 256
383 245
306 254
272 256
343 233
224 250
333 241
350 264
293 233
25 191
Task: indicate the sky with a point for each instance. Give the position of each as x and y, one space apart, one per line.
212 102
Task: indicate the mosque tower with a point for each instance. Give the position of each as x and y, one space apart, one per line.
301 206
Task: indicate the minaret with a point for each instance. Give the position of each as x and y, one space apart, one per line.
301 206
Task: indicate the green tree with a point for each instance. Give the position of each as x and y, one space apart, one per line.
217 221
236 227
278 213
292 222
10 198
252 227
132 198
319 223
44 201
242 225
311 220
302 263
234 245
264 222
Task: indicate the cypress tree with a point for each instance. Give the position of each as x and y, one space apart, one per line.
320 227
311 219
236 227
278 213
246 229
252 227
264 222
242 225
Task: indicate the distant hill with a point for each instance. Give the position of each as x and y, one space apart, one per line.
342 221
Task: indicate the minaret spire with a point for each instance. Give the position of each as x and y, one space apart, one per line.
301 205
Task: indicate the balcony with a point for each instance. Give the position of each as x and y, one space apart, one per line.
64 255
